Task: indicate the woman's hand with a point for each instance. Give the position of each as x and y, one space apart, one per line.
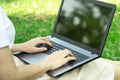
31 45
59 58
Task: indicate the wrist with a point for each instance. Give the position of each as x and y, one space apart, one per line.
18 47
47 65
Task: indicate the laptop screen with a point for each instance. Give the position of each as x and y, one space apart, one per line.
83 22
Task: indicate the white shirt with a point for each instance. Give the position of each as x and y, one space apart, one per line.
7 31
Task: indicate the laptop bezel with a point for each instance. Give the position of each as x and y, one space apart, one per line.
99 52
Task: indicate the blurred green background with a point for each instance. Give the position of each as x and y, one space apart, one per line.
33 18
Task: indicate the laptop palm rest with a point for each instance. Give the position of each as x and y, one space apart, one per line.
32 58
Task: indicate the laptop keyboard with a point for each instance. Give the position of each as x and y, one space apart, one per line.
79 57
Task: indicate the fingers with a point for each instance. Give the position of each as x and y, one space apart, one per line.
67 53
42 49
70 58
44 40
59 58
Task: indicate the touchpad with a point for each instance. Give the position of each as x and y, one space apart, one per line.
32 58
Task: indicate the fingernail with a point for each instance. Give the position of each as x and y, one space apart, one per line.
45 48
51 44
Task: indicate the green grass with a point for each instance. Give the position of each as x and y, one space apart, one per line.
112 47
33 18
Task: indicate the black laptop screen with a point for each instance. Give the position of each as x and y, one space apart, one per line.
83 22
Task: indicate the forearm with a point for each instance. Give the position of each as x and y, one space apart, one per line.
26 72
31 72
8 70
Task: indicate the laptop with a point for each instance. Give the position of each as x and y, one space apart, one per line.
82 26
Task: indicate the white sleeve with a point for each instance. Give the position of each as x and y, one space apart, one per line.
7 31
4 41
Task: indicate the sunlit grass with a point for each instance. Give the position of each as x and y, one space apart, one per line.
31 18
37 9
